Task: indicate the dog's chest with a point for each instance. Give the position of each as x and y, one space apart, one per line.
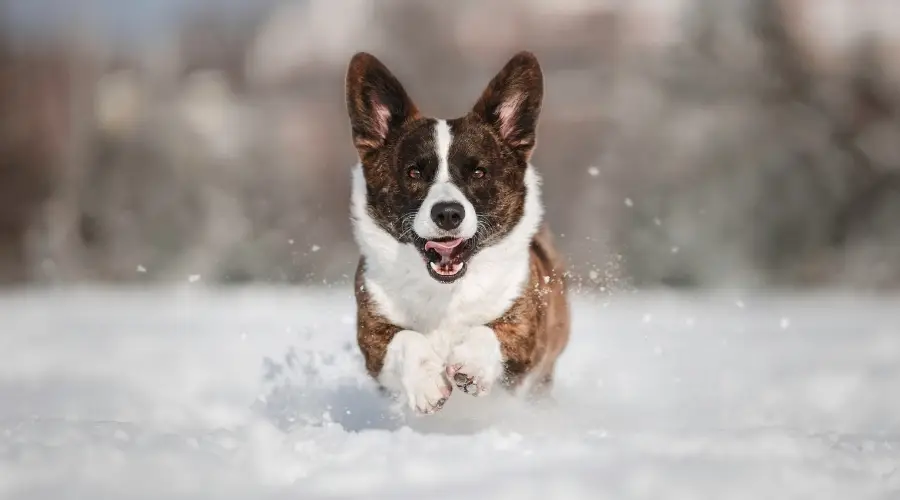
414 301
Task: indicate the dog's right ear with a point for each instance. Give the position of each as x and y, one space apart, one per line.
376 102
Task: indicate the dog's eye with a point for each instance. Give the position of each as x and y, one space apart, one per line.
479 173
413 172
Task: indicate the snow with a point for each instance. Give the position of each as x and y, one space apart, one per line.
259 393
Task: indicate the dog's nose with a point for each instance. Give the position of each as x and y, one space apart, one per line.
448 214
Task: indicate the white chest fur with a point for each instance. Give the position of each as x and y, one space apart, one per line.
398 282
410 298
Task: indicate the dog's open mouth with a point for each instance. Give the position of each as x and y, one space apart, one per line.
446 257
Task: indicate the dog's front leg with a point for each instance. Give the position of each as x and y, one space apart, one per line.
476 361
414 369
404 363
483 355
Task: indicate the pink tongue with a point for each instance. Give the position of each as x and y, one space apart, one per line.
444 248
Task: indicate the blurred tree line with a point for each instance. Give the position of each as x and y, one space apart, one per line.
690 143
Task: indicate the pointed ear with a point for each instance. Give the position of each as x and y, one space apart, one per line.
511 103
376 102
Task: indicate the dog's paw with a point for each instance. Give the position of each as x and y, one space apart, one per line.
415 370
476 361
426 385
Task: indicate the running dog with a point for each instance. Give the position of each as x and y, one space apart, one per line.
459 283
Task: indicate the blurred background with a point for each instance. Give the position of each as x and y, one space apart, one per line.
684 143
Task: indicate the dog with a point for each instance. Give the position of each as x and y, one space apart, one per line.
458 282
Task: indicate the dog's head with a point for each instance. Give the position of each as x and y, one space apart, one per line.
449 187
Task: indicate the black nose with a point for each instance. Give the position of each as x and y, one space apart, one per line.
448 214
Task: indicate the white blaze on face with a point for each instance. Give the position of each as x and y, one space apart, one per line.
443 190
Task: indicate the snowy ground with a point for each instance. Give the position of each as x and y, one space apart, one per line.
259 393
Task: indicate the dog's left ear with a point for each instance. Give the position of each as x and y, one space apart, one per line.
511 103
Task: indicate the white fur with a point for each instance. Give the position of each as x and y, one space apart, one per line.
442 190
477 354
412 368
442 140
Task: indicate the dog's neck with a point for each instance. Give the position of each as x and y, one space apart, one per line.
397 281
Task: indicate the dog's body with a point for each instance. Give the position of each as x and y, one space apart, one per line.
459 280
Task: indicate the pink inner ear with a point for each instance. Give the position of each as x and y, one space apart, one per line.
506 113
380 119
